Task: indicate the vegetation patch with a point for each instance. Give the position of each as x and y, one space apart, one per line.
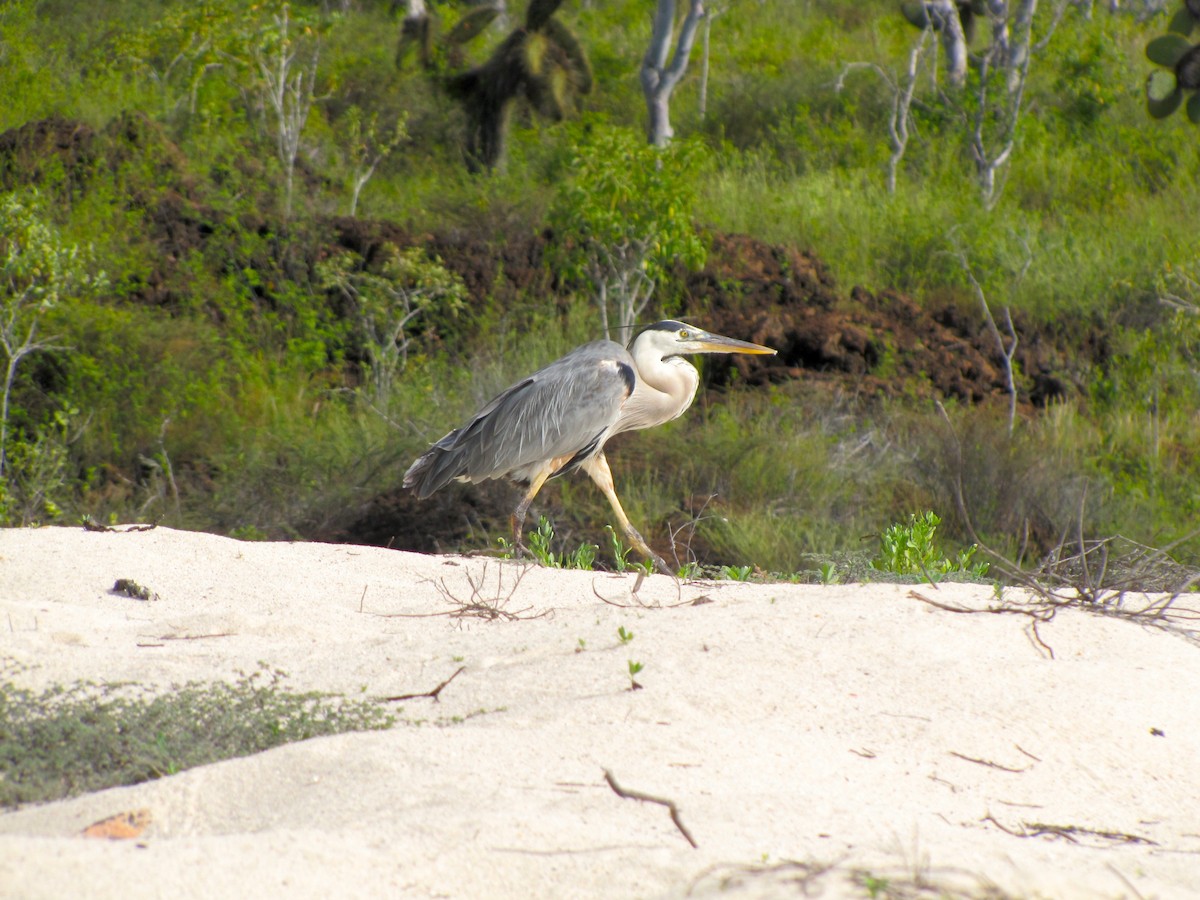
256 258
69 740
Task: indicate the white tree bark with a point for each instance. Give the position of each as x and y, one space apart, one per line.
996 119
288 86
943 15
660 76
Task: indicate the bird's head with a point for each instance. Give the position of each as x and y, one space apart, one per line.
670 338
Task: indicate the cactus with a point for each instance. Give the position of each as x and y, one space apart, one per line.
1180 59
542 62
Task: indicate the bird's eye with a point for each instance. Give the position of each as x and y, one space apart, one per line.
683 334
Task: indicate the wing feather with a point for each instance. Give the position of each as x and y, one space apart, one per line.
565 409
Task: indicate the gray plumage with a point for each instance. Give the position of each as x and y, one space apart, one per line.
560 417
566 409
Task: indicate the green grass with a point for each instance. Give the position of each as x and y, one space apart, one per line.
69 740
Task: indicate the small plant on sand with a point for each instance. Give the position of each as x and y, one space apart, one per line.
634 668
875 886
541 540
624 636
737 573
619 551
911 550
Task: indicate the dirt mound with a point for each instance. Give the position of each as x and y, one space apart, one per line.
54 147
882 344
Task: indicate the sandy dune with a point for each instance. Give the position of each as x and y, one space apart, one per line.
812 737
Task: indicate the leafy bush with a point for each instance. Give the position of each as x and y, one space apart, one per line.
622 220
910 549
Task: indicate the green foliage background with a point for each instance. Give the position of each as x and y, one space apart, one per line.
217 382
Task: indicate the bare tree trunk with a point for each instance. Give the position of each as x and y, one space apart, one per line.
899 119
943 14
902 97
1010 53
660 78
288 87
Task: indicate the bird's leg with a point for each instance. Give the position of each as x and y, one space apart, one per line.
597 467
517 519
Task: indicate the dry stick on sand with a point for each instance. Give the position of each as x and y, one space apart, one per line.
647 798
1039 829
989 763
633 594
490 606
641 604
1041 613
434 693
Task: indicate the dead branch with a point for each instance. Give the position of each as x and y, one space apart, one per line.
639 603
193 637
1068 832
647 798
989 763
482 604
432 694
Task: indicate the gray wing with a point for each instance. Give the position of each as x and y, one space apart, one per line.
561 412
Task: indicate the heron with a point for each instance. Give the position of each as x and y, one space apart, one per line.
560 418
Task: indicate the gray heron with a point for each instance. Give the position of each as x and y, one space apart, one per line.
560 417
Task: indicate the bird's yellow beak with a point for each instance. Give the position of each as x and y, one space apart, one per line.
718 343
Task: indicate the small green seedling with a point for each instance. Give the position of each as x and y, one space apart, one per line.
619 551
737 573
646 568
540 542
689 570
625 636
634 668
583 558
875 886
581 646
829 573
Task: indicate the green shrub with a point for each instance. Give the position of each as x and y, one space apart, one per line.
911 549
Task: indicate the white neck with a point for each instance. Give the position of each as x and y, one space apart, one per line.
664 390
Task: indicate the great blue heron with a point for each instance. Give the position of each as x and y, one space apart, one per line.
559 418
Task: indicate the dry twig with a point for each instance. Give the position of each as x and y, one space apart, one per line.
433 694
989 763
647 798
1068 832
490 605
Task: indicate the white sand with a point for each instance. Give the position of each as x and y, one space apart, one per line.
797 728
